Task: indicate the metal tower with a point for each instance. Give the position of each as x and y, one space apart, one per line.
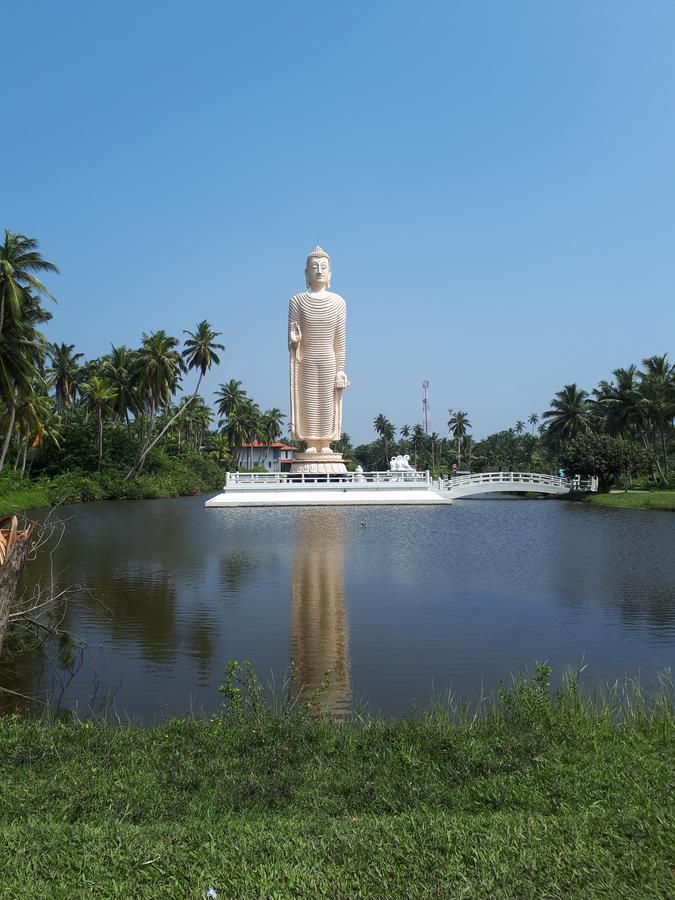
425 405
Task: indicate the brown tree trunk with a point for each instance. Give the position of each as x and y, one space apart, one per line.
8 436
14 546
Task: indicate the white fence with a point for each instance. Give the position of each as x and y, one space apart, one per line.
339 480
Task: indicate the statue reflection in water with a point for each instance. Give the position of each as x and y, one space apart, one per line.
319 632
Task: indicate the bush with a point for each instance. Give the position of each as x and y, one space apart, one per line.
609 458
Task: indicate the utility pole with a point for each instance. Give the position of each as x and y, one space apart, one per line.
425 405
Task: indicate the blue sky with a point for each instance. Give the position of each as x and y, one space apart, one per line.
495 183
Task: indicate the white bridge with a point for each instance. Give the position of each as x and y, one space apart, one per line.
519 482
376 488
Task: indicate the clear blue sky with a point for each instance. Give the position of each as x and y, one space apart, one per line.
494 181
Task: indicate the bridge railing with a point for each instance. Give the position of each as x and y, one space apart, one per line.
340 480
504 479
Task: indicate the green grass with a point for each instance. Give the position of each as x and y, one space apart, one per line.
32 496
640 500
543 795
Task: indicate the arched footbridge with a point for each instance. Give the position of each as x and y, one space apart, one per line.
519 482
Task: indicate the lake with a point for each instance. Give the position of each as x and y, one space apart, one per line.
398 602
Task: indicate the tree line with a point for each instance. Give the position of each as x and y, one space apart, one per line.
49 391
622 429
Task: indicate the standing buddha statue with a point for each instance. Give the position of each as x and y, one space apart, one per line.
316 340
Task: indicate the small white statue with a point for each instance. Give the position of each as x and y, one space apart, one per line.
400 464
358 474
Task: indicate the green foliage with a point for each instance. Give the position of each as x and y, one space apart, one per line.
506 449
166 477
610 458
545 794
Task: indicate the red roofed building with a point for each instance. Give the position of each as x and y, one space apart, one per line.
273 457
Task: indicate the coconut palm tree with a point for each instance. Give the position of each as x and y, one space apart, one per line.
120 371
387 432
244 426
200 350
200 353
229 396
458 426
99 397
219 448
657 404
22 356
417 441
570 414
63 374
19 261
520 426
532 420
272 425
158 368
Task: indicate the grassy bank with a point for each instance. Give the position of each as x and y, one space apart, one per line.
635 500
544 795
166 477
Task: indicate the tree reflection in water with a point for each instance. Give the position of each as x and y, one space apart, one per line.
319 632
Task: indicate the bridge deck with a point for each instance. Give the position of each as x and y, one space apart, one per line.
518 482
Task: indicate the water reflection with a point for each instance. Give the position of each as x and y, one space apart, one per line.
319 632
420 598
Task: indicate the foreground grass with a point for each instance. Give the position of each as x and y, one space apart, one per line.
639 500
547 795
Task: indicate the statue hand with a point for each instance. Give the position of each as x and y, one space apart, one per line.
341 381
295 334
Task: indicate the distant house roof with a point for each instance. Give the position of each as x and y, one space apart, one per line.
277 445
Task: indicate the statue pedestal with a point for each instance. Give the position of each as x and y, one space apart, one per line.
317 463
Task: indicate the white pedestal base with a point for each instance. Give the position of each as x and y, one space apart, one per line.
329 497
328 489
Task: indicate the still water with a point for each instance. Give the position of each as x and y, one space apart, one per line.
398 603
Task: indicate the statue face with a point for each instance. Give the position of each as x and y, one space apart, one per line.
318 273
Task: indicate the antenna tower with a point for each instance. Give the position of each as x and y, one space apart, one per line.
425 405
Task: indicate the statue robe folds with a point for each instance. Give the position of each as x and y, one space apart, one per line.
316 402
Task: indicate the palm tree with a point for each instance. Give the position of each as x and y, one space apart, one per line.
244 426
64 374
229 396
19 260
200 350
386 431
37 422
570 414
657 404
532 420
118 368
22 355
272 424
344 445
458 425
200 354
158 368
404 431
219 448
417 441
99 397
520 426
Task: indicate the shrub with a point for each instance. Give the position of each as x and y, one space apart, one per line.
609 458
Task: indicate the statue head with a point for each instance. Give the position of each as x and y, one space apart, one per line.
317 270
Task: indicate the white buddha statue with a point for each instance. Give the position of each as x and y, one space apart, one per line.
316 340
